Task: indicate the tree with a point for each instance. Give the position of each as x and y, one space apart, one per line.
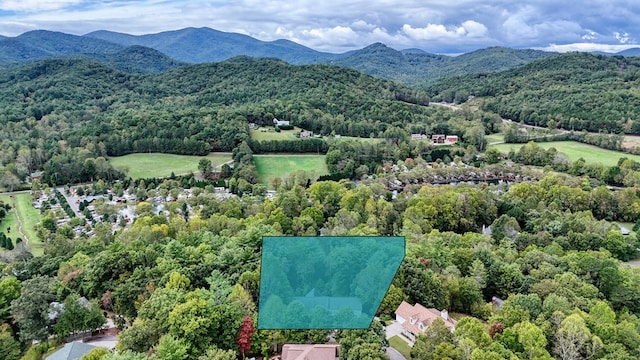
573 339
218 354
10 347
244 336
205 167
31 309
171 348
532 339
96 354
9 291
9 180
391 300
436 333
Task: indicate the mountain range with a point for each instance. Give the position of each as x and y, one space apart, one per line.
171 49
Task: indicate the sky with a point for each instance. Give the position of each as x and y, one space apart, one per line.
437 26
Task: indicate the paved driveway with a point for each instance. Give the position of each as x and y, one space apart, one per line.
394 329
394 354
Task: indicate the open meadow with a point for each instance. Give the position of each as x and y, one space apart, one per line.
161 165
272 166
268 133
22 220
575 150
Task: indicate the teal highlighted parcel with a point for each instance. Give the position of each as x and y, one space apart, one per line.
325 282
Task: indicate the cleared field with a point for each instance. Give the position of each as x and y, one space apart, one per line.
272 166
161 165
575 150
270 134
23 227
351 138
397 343
493 138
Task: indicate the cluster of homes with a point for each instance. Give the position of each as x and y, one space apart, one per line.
437 139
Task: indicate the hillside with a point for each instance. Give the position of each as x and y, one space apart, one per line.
415 67
193 109
580 91
199 45
41 44
137 59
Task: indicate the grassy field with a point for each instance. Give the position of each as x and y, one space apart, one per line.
493 138
271 134
28 216
161 165
397 343
271 166
575 150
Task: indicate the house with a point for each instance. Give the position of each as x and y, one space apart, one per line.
418 136
310 352
277 122
415 319
452 139
71 351
438 138
624 230
497 302
306 134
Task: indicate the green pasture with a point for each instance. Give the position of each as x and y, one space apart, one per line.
161 165
494 138
268 133
29 217
272 166
575 150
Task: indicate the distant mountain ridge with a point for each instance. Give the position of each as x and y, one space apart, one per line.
200 45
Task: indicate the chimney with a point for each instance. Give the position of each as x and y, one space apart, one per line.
444 314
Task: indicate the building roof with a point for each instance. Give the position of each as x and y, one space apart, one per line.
310 352
416 315
71 351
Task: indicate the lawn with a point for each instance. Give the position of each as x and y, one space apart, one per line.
272 166
494 138
161 165
397 343
575 150
271 134
29 217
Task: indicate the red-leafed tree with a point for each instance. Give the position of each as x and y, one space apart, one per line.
244 337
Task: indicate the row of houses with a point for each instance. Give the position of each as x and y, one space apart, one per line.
437 138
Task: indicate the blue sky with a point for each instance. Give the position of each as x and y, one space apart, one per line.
439 26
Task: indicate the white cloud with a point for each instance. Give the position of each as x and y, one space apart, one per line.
623 38
469 29
610 48
590 35
331 25
35 5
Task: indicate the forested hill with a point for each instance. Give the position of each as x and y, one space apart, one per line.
202 45
190 110
138 60
418 68
199 45
573 91
42 44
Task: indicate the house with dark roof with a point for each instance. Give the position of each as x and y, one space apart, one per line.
71 351
415 319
